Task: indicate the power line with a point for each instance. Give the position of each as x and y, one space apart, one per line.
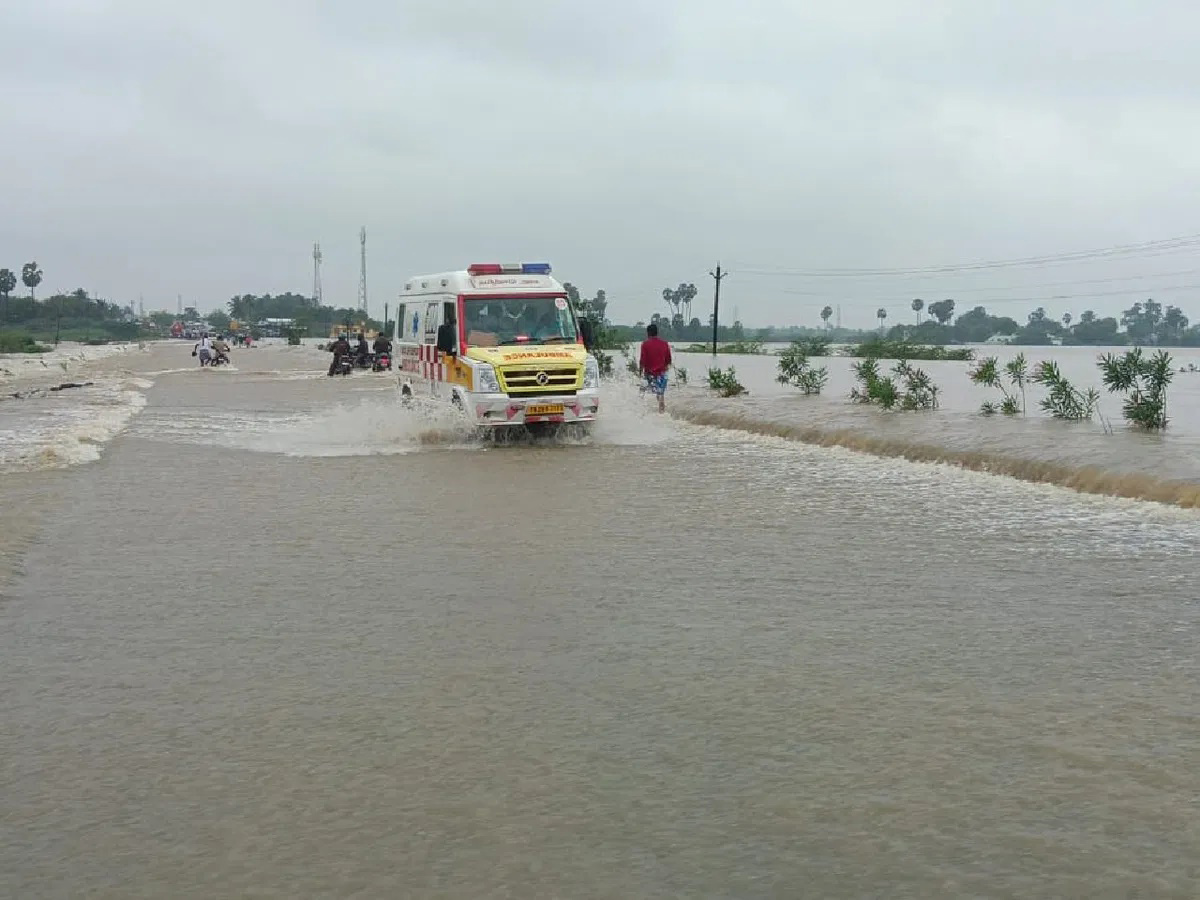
1153 248
992 300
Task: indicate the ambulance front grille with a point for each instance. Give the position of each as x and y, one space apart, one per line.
527 381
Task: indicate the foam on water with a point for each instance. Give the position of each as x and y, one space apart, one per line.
1082 478
67 428
1057 521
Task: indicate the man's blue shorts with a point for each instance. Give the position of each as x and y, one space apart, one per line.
657 384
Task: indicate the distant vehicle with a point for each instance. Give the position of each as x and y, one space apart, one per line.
500 342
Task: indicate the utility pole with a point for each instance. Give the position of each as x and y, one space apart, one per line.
362 275
717 276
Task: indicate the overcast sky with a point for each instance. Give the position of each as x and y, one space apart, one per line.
154 147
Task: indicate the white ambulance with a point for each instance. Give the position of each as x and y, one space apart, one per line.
499 341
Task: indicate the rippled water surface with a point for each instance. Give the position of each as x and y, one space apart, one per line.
280 637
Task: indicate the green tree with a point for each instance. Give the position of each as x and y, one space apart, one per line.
1141 321
977 325
31 276
218 319
826 315
1094 331
679 301
8 281
942 310
1174 324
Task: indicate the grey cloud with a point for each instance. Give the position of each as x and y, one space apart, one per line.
201 149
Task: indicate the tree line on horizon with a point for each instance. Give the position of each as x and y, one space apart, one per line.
1144 322
75 313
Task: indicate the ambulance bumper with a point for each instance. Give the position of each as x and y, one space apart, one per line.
500 410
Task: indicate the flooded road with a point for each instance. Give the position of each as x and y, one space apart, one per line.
282 638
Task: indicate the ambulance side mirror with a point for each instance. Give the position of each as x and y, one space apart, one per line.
589 337
445 339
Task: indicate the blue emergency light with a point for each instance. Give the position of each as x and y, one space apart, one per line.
509 269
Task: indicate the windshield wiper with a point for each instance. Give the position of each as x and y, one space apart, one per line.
547 340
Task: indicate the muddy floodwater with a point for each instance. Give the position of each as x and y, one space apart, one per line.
264 633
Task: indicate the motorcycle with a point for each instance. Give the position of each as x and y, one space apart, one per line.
382 363
219 359
344 365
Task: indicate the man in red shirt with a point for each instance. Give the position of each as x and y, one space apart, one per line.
654 363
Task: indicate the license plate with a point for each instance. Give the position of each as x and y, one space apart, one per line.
544 409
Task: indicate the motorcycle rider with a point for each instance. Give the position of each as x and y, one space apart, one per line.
221 348
339 349
362 350
382 346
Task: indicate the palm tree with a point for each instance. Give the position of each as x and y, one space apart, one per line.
31 275
917 306
881 314
8 281
1066 320
826 313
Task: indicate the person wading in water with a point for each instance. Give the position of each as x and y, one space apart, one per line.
654 363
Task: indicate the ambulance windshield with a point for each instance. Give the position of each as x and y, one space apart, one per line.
496 321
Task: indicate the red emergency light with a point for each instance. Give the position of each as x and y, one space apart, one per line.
508 269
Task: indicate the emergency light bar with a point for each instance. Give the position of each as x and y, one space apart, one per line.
508 269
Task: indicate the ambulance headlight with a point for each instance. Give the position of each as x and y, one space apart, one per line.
485 379
591 373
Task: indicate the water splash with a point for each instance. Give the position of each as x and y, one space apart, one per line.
68 429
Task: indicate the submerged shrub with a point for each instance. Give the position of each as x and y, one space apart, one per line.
20 342
1143 380
725 383
879 348
795 369
744 348
988 373
1063 400
916 390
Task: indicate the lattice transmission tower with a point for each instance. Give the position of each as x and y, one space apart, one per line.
362 272
317 274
